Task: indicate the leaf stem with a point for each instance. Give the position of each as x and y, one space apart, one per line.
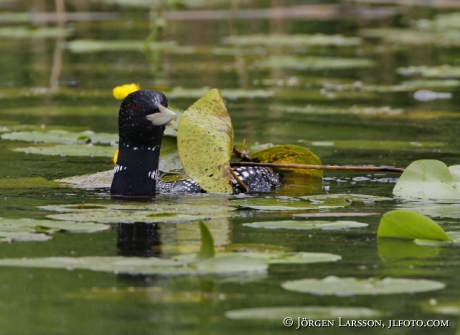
239 181
321 167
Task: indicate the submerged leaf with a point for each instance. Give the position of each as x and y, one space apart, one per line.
410 225
205 140
355 286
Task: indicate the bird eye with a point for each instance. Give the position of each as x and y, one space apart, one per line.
134 105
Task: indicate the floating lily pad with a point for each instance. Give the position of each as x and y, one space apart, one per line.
262 258
232 94
229 263
286 204
50 226
410 225
206 124
126 265
9 237
442 71
327 110
20 183
361 198
63 150
58 110
313 313
314 63
434 210
427 179
454 241
306 225
289 154
91 46
138 213
354 286
19 32
61 136
90 181
292 40
408 37
370 144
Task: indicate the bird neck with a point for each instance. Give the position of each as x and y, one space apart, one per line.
136 170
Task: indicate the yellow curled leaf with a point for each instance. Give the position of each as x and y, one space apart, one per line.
205 141
120 92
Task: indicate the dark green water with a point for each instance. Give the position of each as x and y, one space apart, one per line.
41 301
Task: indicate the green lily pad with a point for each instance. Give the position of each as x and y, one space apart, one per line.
267 258
232 94
227 263
289 154
63 150
410 37
231 263
92 46
60 110
148 213
61 136
122 265
370 144
304 258
50 226
206 124
442 71
306 225
361 198
454 241
313 63
313 313
286 204
327 110
354 286
445 308
410 225
19 32
21 183
292 40
432 209
6 236
90 181
427 179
